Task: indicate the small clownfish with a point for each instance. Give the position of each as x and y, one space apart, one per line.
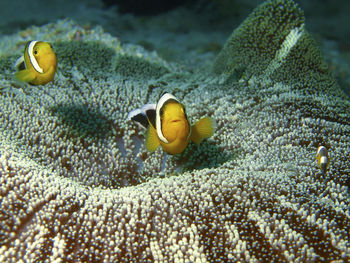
168 125
38 64
322 159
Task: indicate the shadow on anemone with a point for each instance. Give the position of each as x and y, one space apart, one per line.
206 155
83 121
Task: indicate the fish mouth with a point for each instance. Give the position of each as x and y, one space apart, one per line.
177 121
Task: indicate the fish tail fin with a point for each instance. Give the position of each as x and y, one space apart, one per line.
203 128
25 75
152 141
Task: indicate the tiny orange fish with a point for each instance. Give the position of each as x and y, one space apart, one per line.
38 64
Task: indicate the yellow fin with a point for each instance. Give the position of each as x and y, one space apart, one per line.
203 128
152 141
25 75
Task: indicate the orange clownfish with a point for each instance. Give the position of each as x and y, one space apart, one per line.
168 125
322 159
38 64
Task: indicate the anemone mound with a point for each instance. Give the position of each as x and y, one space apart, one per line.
78 185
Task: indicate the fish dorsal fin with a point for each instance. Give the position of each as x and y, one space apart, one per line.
162 101
151 116
19 64
140 116
32 58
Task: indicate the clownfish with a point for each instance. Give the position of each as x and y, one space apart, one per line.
168 125
322 159
38 64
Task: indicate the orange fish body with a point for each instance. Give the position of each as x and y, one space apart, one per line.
39 62
168 126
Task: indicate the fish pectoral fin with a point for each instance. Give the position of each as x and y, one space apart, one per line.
25 75
203 128
152 141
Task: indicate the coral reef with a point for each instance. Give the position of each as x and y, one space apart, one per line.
77 184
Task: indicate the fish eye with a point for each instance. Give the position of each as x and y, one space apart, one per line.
35 52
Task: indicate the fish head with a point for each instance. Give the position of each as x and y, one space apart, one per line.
174 121
44 55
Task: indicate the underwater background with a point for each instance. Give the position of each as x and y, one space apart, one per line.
179 28
78 185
